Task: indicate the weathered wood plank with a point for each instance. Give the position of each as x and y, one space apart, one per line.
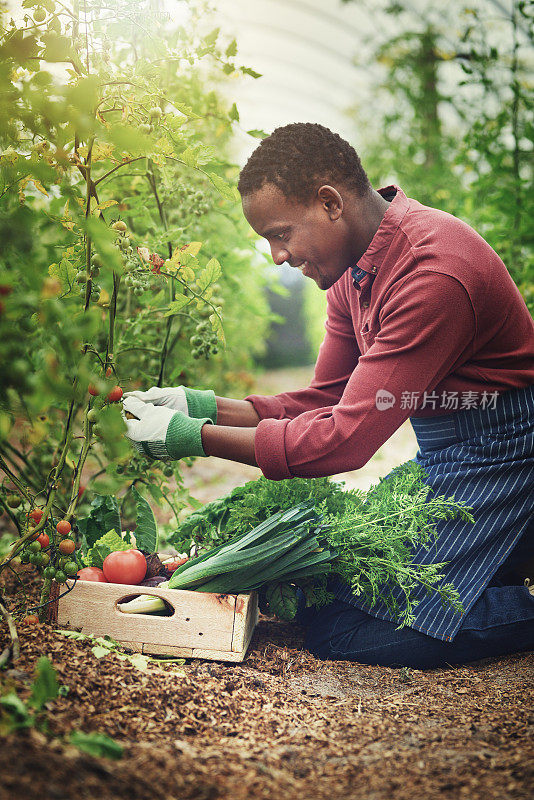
203 625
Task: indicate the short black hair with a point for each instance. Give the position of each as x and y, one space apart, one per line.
299 158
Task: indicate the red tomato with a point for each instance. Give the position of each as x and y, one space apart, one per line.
91 574
43 540
125 566
93 390
66 547
63 527
36 515
115 394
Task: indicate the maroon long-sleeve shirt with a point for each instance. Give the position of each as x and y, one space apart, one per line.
429 322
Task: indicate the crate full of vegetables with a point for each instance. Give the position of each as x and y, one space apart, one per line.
122 590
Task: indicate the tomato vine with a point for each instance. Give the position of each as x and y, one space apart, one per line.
111 279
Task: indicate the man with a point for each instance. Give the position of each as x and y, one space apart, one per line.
424 322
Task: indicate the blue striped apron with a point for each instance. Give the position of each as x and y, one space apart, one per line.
484 457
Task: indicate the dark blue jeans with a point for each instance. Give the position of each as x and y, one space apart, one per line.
500 622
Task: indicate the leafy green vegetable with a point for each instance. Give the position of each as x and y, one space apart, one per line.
107 544
376 541
280 548
366 539
281 600
248 505
146 532
103 516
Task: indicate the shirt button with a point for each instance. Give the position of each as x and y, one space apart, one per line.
365 305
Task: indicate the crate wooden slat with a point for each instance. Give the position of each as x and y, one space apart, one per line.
203 625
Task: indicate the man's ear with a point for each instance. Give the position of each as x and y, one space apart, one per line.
331 201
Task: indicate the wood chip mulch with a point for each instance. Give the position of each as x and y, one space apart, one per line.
281 724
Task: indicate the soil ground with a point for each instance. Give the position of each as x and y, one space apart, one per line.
282 723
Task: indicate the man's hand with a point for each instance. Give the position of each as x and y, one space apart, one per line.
162 433
191 402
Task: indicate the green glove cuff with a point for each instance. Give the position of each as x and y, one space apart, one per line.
201 403
184 436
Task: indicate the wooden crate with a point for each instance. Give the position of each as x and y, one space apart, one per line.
203 625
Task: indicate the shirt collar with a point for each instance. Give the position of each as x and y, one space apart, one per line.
375 254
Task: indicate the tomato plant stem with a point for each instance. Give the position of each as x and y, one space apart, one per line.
15 480
45 594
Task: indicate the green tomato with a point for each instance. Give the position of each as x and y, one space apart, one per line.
24 557
70 568
45 559
34 547
35 559
39 14
60 576
13 500
155 113
50 572
92 415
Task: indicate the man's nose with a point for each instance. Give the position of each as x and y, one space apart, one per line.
279 254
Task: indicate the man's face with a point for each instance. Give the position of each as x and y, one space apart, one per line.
314 237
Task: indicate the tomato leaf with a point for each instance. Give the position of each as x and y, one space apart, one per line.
99 651
20 718
211 272
96 744
45 686
231 50
139 661
227 191
176 306
146 532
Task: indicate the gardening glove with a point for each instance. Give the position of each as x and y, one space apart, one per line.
191 402
159 432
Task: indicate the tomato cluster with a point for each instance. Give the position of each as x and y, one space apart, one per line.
192 201
56 561
204 341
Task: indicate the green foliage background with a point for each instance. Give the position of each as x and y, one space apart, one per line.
107 115
450 118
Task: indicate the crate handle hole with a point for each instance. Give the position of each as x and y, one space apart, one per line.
168 611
